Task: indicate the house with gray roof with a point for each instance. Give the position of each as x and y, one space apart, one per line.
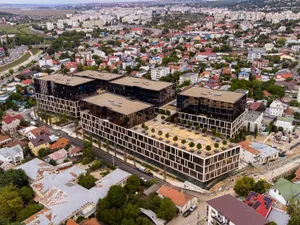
63 198
11 155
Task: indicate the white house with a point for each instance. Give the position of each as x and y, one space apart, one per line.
182 201
47 61
157 73
229 210
253 119
192 77
284 191
257 153
286 123
277 108
12 155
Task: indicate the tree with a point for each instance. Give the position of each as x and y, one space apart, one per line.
191 144
167 135
28 211
10 202
167 209
4 221
281 41
116 196
208 148
243 186
216 145
26 193
183 141
199 146
43 152
261 186
133 184
294 212
96 165
11 71
87 150
160 133
153 130
17 178
224 142
87 181
131 211
175 139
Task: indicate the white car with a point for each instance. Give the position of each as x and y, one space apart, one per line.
192 208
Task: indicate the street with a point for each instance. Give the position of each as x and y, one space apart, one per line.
14 54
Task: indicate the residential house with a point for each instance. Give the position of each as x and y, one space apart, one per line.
277 108
59 156
10 124
11 155
59 144
204 56
243 75
286 123
75 151
257 153
92 221
159 72
182 201
4 140
41 141
284 191
62 197
192 77
38 131
229 210
283 75
260 203
253 120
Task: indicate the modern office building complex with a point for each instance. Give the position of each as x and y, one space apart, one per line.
222 111
60 93
130 130
153 92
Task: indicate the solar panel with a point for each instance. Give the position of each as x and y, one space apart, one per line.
256 205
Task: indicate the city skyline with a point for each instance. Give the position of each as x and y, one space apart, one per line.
53 2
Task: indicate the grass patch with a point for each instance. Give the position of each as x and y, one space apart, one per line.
16 62
34 51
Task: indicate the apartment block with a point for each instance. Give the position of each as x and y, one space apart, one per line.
131 131
159 72
222 111
156 93
227 210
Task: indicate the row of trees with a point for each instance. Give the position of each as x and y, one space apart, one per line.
122 205
16 197
244 185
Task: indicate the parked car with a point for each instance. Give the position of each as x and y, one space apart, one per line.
193 207
187 213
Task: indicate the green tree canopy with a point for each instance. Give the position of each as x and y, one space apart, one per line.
116 196
26 193
167 209
87 181
244 185
10 202
133 184
17 178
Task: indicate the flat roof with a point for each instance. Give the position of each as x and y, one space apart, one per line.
216 95
142 83
187 135
117 103
236 211
98 75
65 79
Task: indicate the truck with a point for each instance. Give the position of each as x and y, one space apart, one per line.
144 170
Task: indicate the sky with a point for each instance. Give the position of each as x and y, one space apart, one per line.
53 1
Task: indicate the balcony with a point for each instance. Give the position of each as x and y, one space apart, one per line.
219 220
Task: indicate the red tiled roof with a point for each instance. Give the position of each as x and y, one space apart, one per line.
254 106
266 93
179 199
29 81
9 119
60 143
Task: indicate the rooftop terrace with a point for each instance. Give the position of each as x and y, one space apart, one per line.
97 75
222 96
142 83
65 79
117 103
158 130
